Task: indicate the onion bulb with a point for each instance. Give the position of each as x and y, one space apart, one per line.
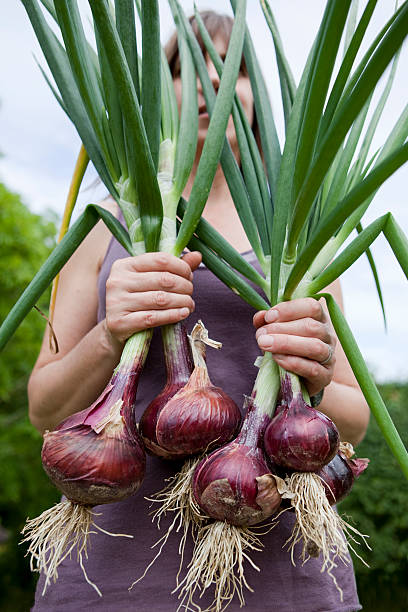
300 437
196 416
94 457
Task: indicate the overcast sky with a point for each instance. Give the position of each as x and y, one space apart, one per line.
40 146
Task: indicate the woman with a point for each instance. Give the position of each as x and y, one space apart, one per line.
104 297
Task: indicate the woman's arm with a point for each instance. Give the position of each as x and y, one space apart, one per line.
300 336
142 292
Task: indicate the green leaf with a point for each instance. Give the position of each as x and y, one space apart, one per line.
151 76
366 382
227 275
343 210
344 117
253 218
325 53
140 161
169 109
213 239
57 260
216 132
60 68
349 255
287 82
282 203
263 110
345 68
373 267
229 164
83 71
372 127
115 118
125 24
187 137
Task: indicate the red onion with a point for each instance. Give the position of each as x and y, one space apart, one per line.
93 457
339 474
234 483
196 416
179 366
300 437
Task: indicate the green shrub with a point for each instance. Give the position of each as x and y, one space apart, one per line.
25 242
378 507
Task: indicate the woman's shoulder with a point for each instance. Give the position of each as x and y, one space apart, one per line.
93 249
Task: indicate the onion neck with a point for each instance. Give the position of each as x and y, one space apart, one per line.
261 404
291 385
177 354
131 363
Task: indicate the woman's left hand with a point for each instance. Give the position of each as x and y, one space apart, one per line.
301 339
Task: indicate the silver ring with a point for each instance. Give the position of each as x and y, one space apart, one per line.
329 356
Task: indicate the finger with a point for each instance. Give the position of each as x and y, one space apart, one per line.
310 348
308 328
137 321
295 309
193 259
156 300
259 318
150 262
316 375
150 281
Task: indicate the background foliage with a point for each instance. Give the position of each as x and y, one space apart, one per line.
377 504
25 242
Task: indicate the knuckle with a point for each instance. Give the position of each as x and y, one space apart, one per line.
189 288
312 326
321 350
163 259
113 283
315 307
161 298
332 338
150 319
166 280
314 370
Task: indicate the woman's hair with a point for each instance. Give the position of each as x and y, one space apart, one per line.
216 25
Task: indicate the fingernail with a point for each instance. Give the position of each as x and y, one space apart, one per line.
191 276
271 316
265 341
184 312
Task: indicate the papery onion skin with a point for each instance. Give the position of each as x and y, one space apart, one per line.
234 483
300 437
339 474
197 416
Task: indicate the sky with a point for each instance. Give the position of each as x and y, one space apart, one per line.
40 146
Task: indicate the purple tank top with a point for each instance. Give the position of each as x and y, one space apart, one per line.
114 563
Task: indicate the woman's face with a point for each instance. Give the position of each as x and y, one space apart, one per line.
243 90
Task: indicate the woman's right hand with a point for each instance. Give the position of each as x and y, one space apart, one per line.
147 291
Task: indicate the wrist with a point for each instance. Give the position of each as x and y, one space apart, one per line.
110 343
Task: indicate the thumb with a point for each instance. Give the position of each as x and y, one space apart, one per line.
193 259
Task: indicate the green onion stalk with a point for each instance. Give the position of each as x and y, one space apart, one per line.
297 208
